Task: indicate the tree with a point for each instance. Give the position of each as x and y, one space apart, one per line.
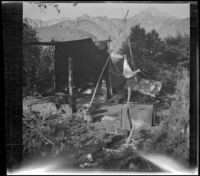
154 46
146 49
44 5
31 55
177 50
47 69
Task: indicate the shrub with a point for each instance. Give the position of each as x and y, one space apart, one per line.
176 140
171 137
50 136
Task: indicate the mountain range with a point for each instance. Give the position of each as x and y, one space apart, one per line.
102 27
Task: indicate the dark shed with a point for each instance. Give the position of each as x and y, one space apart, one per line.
88 58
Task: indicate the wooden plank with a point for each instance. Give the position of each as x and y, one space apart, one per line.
140 114
72 101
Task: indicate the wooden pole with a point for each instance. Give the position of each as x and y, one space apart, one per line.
70 84
97 85
129 44
109 77
105 66
54 74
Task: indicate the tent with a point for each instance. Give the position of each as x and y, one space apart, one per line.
88 58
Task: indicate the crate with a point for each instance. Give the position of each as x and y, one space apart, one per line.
140 114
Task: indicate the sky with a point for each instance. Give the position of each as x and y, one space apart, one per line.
111 10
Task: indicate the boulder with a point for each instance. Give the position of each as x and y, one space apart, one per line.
109 118
65 110
45 109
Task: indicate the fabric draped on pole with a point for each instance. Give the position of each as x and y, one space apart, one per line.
122 76
127 71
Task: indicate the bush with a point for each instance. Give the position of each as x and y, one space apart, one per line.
38 64
168 78
50 136
171 137
176 140
177 49
46 70
146 48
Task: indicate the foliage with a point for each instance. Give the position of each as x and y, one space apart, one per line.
57 136
44 6
38 63
31 55
168 76
179 120
171 136
146 48
154 46
180 107
50 136
159 59
46 69
177 50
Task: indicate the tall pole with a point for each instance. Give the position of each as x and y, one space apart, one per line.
70 84
54 74
105 66
129 44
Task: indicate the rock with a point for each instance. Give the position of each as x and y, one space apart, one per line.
163 113
66 110
113 140
132 166
94 164
157 101
87 117
45 109
89 157
87 92
122 132
81 165
88 165
110 118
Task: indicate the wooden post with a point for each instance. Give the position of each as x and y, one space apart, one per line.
70 84
54 74
111 91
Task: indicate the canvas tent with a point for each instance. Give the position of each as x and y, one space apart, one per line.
88 58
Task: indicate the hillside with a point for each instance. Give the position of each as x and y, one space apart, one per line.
100 28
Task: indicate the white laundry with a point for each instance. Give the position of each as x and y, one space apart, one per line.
127 71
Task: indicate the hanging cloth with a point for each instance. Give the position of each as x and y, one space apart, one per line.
127 71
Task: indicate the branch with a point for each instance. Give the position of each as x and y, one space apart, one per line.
43 5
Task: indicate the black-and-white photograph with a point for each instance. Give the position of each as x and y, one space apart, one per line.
106 88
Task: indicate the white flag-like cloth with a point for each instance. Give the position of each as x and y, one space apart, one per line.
127 71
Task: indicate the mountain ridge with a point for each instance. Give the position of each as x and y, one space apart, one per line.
102 27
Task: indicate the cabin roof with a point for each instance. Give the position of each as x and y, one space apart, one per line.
100 44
